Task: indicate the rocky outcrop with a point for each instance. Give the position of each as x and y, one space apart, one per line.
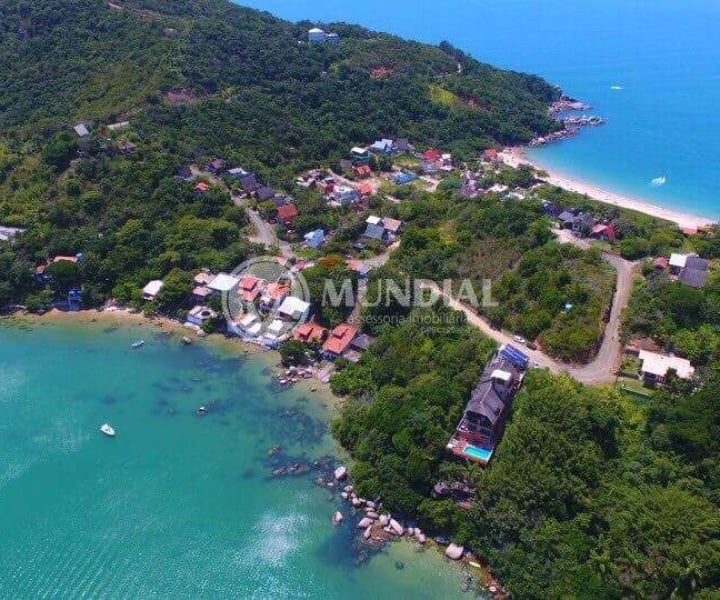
338 517
454 552
341 473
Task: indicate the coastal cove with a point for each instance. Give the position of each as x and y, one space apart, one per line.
177 502
650 54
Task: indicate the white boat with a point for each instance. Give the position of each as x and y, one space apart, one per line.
616 87
138 343
658 181
107 430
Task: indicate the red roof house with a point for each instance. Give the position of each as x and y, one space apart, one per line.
202 187
287 213
362 171
366 189
432 154
340 340
606 232
491 154
310 332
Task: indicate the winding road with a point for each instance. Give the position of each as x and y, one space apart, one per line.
606 362
600 370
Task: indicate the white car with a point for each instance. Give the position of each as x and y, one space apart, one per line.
520 339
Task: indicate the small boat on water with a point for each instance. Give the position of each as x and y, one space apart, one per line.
616 87
107 429
138 344
658 181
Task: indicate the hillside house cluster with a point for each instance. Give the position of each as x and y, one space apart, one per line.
581 223
483 421
434 161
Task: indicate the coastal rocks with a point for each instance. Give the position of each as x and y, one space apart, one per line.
395 527
367 533
454 552
420 536
384 520
341 473
365 523
337 518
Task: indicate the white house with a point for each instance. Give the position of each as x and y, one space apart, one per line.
655 366
81 130
223 283
316 35
199 315
294 308
152 289
677 262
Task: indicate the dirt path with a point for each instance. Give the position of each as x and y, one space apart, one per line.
603 367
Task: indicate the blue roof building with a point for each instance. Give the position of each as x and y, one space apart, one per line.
315 239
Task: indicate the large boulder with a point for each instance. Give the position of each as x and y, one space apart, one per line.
454 552
384 520
337 517
365 523
420 536
397 529
368 533
341 473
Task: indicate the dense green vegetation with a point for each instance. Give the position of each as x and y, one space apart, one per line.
199 80
558 294
589 496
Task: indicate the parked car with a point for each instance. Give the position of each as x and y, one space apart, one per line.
519 339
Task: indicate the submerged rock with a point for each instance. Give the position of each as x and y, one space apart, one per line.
337 517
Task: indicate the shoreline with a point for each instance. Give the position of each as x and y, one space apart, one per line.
314 386
514 157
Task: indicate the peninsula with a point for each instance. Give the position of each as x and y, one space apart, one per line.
535 432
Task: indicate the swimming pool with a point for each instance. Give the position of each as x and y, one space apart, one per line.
478 453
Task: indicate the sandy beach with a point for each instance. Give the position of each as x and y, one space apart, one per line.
514 157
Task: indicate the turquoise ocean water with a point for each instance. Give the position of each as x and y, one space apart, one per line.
664 54
176 506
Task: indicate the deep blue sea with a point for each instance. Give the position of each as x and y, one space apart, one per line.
665 55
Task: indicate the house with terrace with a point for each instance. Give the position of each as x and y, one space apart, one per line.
483 421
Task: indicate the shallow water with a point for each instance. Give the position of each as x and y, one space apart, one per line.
176 505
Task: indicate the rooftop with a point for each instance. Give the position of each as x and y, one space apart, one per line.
659 365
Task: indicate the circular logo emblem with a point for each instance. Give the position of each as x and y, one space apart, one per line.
265 298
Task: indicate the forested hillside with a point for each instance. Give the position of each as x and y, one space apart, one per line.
199 80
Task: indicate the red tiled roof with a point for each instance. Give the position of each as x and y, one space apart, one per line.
308 332
287 213
432 154
277 291
661 263
366 189
202 187
340 339
491 154
249 282
363 171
